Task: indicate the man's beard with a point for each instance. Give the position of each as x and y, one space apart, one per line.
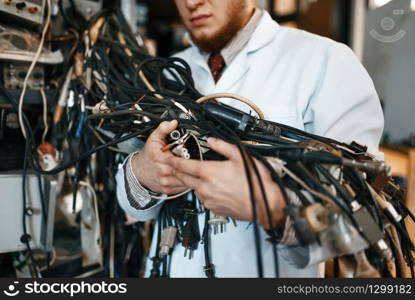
222 38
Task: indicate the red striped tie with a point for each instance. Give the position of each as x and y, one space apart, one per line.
217 65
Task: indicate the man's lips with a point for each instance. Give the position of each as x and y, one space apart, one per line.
199 20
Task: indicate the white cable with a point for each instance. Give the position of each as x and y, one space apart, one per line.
94 195
170 197
45 115
32 66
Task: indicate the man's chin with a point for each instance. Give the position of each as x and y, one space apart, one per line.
202 38
211 44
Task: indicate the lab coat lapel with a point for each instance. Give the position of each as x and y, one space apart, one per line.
233 73
263 35
203 79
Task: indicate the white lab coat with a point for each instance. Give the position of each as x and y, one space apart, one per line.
298 79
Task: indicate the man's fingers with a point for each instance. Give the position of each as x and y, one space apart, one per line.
171 182
188 180
165 128
188 166
228 150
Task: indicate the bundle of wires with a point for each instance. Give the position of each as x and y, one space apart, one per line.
115 92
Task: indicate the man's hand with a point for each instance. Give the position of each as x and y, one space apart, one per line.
151 166
222 186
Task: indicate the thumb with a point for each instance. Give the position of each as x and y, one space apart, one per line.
162 131
228 150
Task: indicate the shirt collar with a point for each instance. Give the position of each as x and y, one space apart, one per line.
242 38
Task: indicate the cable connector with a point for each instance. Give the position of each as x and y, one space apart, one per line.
217 222
168 239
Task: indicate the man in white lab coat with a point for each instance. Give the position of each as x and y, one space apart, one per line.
296 78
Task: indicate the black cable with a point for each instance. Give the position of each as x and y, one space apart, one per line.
268 213
66 18
209 268
157 261
42 199
257 238
339 189
26 238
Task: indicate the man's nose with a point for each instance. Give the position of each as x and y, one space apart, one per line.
193 4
